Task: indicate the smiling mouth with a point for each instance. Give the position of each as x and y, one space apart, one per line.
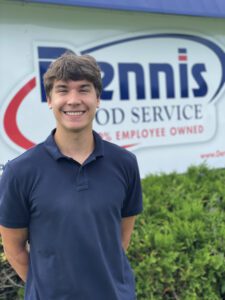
74 113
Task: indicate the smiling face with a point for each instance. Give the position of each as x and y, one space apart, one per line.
74 105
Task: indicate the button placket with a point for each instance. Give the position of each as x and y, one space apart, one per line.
82 181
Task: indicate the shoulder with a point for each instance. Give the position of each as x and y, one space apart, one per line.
120 159
111 148
22 172
27 160
118 153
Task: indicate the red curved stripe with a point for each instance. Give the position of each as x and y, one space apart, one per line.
10 118
129 145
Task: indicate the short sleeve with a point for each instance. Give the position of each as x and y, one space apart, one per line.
133 202
14 211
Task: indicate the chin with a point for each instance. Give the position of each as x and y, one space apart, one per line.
78 129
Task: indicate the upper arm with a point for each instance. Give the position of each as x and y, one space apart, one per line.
14 240
132 204
127 226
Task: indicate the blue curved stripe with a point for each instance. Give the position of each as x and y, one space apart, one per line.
211 45
206 8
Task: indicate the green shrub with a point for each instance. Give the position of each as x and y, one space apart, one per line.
10 284
177 249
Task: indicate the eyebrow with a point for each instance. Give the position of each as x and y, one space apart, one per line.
59 86
85 85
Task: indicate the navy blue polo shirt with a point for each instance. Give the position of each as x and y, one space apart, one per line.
73 213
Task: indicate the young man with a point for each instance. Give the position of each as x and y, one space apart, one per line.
73 197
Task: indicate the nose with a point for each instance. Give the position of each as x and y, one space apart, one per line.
73 98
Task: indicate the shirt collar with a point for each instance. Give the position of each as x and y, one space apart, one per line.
54 151
99 145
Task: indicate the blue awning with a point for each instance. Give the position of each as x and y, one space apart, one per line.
204 8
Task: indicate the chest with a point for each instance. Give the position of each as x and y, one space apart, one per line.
74 192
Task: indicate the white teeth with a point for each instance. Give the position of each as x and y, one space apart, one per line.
74 113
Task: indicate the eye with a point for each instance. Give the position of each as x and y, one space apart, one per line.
62 91
84 90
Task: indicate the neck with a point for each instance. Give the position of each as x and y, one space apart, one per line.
76 145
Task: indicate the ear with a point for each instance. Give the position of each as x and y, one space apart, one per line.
49 102
98 102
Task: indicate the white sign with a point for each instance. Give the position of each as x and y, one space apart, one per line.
161 96
150 98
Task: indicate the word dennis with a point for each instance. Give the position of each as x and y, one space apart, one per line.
156 72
